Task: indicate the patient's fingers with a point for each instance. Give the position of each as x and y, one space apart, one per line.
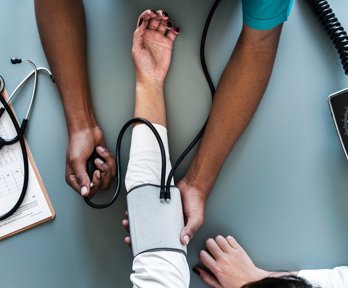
127 241
162 27
146 16
173 32
125 224
164 15
154 22
164 24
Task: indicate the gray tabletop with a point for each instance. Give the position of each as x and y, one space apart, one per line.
283 192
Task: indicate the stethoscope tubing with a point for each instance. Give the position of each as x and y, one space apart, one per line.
24 154
19 86
20 130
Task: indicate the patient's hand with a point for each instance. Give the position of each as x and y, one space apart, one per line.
152 46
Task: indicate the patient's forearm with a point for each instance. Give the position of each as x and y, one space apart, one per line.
240 89
149 102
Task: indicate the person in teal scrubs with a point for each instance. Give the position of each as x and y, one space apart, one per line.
240 89
265 14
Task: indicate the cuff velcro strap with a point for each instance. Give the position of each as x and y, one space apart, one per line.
154 226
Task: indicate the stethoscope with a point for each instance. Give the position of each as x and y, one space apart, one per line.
20 130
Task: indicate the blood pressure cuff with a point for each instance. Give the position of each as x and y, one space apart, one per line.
154 226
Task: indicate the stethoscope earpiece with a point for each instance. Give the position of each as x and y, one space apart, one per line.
15 60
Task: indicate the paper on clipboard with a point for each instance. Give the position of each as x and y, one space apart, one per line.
36 207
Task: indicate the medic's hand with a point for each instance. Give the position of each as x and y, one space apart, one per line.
193 201
229 264
81 145
152 46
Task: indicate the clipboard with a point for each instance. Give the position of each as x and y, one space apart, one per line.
37 207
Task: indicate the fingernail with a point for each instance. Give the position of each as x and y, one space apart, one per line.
100 149
169 24
140 22
84 190
165 14
177 30
195 270
99 161
186 239
91 185
97 173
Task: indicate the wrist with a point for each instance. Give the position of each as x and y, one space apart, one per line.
262 274
198 177
255 275
78 110
280 274
149 89
149 102
194 183
81 122
149 84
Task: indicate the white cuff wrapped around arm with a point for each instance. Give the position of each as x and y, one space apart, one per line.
154 226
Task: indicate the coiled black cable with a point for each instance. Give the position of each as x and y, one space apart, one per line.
333 28
165 184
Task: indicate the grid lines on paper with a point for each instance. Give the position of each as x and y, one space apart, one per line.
11 182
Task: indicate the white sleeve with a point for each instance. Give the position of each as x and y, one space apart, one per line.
327 278
161 268
145 162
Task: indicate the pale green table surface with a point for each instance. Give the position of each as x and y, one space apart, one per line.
283 192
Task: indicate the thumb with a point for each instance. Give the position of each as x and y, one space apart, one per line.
194 221
79 170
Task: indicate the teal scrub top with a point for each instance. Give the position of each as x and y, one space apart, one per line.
265 14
